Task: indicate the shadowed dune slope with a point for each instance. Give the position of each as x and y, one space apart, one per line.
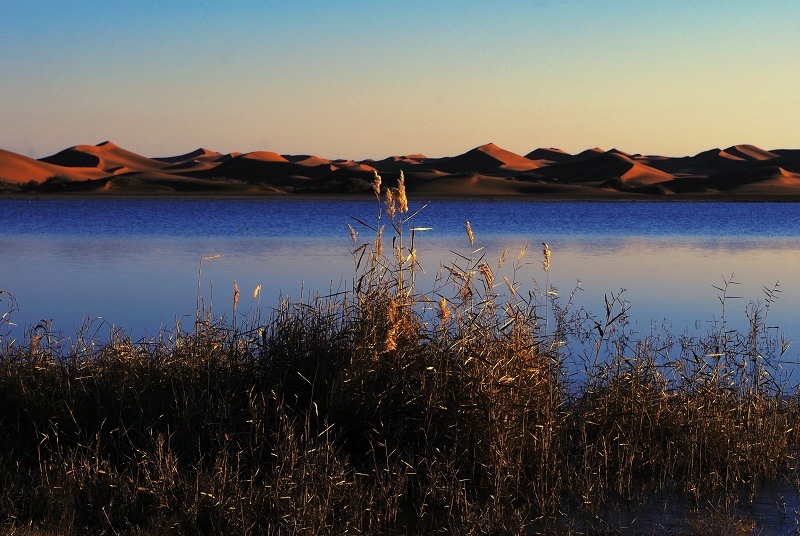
602 167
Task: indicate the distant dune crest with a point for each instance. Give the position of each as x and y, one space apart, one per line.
739 170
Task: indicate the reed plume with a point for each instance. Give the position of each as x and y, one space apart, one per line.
444 311
545 257
376 184
487 273
470 236
402 200
391 208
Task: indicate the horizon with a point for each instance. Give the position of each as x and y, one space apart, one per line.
359 81
427 156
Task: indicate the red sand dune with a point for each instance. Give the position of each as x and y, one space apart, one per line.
408 163
265 165
598 168
19 169
307 160
190 166
106 156
643 174
198 155
739 170
588 153
264 156
750 152
355 170
484 159
550 154
725 154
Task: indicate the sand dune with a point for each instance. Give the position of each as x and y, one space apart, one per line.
19 169
264 165
106 156
643 174
198 155
190 166
598 168
263 156
549 154
487 158
587 154
396 163
743 171
750 152
308 160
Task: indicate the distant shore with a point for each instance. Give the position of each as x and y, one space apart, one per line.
741 172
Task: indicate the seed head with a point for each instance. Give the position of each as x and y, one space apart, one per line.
376 184
470 236
402 200
502 258
353 233
487 273
235 294
546 257
510 286
444 310
257 292
391 339
390 204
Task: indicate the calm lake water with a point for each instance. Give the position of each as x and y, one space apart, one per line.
133 263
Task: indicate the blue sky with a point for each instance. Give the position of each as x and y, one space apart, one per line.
369 79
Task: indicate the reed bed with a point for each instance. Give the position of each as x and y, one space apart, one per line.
477 406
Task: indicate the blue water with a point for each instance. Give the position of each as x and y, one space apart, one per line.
323 217
134 263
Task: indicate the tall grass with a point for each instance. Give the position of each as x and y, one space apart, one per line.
476 406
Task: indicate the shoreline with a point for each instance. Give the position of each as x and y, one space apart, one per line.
554 197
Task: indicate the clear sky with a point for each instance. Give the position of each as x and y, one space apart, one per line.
359 79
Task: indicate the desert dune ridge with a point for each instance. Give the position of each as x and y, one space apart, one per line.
736 171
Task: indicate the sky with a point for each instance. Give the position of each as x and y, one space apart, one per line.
369 79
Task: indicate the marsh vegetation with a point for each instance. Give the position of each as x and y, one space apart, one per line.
484 404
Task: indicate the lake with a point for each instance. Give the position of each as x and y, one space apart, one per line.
133 263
